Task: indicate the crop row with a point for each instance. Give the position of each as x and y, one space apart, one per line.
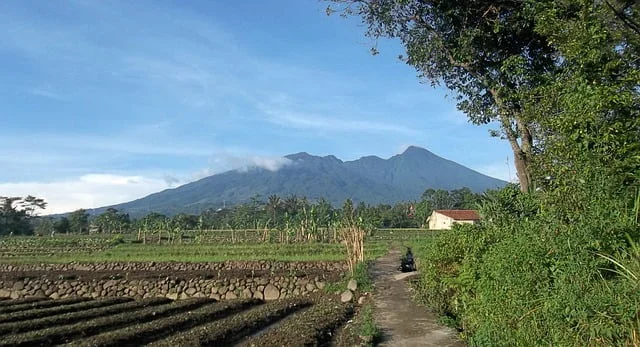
78 316
143 333
61 309
311 327
233 328
44 303
160 322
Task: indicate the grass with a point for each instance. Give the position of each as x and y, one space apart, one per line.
38 250
368 329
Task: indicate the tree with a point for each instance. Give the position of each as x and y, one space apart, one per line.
62 226
79 221
486 51
16 214
111 220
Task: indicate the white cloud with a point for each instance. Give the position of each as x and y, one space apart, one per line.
47 92
227 160
301 120
88 191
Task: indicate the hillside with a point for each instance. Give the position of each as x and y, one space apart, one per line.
370 179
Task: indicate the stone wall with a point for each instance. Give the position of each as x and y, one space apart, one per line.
220 289
220 281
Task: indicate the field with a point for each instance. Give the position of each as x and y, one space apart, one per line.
162 322
222 289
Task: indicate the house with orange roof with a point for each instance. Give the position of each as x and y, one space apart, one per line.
444 219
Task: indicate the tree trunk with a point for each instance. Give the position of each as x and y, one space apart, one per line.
522 151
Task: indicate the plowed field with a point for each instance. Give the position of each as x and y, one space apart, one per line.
159 321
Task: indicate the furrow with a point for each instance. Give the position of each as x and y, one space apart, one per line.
152 331
64 334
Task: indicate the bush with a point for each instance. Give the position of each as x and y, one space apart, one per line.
528 277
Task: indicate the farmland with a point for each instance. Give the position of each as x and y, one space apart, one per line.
163 322
226 287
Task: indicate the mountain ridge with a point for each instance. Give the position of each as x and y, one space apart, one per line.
371 179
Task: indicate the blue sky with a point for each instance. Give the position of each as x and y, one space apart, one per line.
107 101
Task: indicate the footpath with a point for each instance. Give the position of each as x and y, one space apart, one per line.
402 321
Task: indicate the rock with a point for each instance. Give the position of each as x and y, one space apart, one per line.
310 287
172 296
230 296
190 291
183 296
346 296
361 300
18 285
15 294
109 284
258 295
214 290
246 293
54 295
271 292
215 297
320 284
352 285
4 293
199 295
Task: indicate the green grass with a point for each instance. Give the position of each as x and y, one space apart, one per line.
367 325
45 252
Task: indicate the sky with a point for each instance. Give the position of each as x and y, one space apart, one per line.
106 101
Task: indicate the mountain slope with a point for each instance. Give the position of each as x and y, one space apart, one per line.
370 179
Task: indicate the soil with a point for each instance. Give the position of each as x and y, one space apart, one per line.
402 321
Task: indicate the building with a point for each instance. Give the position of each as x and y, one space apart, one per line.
444 219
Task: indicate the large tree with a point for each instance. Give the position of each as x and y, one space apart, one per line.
486 51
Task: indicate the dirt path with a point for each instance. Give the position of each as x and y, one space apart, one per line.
403 322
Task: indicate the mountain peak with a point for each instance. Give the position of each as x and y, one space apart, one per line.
299 156
415 149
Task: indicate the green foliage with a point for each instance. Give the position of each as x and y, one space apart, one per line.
529 279
367 324
17 213
79 221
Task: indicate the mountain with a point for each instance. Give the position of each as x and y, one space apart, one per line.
370 179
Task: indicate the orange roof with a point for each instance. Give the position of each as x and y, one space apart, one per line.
460 214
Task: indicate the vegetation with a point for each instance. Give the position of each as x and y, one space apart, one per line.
16 214
553 261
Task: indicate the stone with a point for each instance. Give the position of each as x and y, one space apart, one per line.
18 285
199 295
246 293
346 296
230 296
258 295
214 290
352 285
15 294
54 295
361 300
183 296
109 284
4 293
215 297
320 284
271 292
172 296
310 287
190 291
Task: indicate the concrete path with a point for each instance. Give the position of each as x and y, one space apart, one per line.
403 322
